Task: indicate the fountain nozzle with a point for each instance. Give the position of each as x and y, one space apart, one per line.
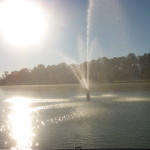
88 95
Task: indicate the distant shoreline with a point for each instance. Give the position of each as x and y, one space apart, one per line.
116 82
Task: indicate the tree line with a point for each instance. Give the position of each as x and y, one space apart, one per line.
128 68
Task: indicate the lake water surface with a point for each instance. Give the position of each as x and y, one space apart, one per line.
58 116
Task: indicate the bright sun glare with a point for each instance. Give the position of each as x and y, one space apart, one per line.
22 22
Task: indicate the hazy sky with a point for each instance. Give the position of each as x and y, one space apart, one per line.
117 27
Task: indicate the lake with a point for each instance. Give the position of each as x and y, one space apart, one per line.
58 116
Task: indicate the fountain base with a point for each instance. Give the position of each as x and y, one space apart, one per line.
88 95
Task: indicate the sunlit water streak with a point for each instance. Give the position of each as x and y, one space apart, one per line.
20 126
20 117
20 122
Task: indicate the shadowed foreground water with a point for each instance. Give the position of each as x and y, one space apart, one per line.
118 116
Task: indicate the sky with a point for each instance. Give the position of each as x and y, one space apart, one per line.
115 28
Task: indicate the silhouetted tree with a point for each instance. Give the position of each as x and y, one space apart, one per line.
129 68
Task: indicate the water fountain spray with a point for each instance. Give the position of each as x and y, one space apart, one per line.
81 74
88 30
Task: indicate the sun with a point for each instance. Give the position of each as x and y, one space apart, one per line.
22 22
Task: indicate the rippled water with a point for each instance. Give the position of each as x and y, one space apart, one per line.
118 116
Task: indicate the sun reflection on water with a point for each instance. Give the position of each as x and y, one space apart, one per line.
20 122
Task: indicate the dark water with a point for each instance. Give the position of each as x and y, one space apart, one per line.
118 116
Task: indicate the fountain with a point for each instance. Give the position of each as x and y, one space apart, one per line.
89 16
81 72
